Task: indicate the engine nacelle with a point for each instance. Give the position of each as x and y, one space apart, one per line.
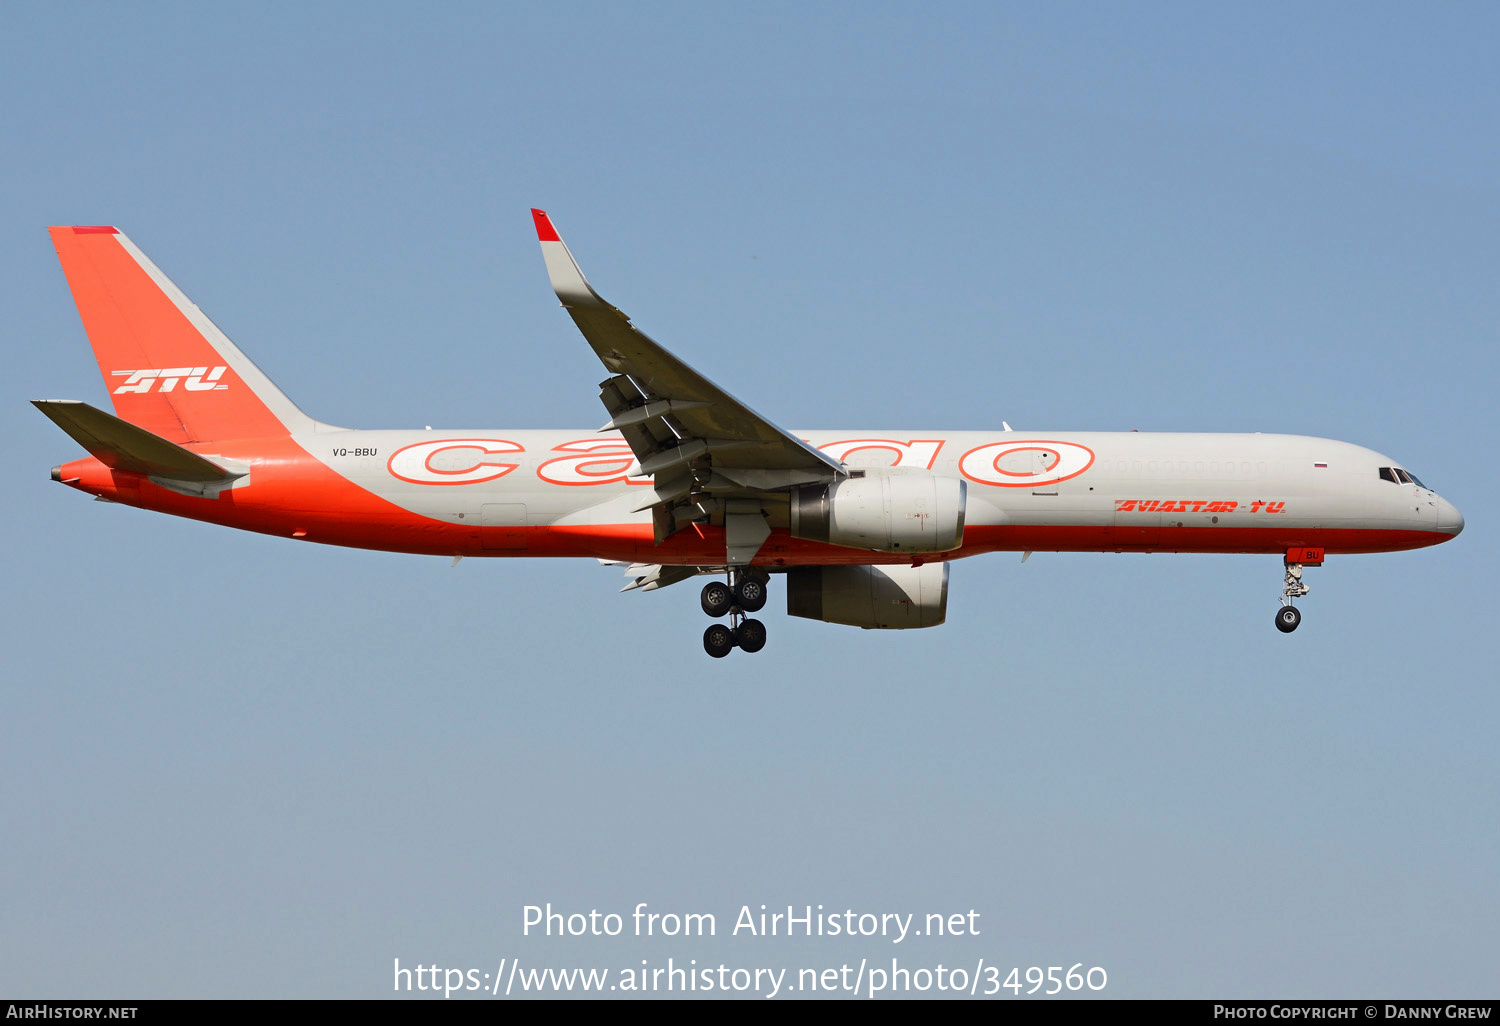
886 512
885 597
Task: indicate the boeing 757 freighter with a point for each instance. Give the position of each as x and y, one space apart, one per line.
684 479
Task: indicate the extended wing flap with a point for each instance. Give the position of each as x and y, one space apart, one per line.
124 446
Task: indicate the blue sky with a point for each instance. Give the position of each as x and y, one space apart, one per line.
239 766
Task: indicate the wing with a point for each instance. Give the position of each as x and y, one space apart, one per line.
651 576
713 459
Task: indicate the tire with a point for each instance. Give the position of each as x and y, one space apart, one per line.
718 640
717 599
750 594
751 634
1287 619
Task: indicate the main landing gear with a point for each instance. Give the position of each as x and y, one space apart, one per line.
1289 616
744 593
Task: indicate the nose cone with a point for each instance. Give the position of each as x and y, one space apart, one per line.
1449 519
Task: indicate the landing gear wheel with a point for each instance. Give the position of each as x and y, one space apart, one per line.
718 640
751 635
1287 619
750 594
717 598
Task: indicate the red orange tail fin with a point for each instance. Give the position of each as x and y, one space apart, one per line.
168 368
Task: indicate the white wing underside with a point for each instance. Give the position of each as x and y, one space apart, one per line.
651 576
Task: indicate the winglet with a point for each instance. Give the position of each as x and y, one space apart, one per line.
572 288
544 230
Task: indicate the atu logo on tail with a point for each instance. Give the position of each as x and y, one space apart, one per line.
199 379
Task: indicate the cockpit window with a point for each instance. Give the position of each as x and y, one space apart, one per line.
1395 475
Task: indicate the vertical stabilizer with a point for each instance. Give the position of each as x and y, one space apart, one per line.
167 367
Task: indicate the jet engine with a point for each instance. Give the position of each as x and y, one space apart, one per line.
885 597
883 511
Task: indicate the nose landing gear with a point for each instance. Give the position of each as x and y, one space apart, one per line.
745 593
1289 616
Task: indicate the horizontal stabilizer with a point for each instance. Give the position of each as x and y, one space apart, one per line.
123 446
